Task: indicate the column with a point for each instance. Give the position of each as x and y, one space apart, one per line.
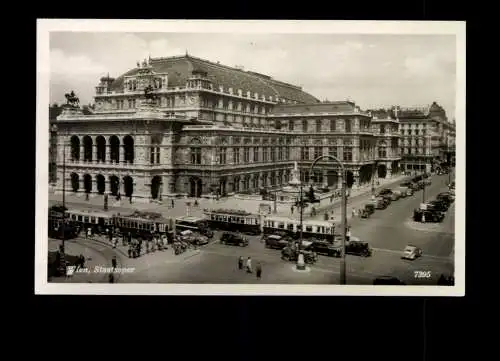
261 183
122 153
108 152
355 173
81 188
94 153
389 170
82 152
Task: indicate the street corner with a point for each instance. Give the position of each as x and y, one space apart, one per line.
424 227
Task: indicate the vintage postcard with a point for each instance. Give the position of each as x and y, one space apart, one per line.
250 158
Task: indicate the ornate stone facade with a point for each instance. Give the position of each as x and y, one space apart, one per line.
207 129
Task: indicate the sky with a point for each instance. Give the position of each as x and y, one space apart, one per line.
374 70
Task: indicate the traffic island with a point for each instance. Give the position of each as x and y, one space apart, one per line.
301 265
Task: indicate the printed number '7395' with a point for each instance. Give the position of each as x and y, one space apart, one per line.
422 274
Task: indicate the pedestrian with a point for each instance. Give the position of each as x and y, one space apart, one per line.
89 232
354 212
130 199
172 203
331 198
240 262
326 216
258 270
86 196
249 265
348 234
129 251
111 278
113 262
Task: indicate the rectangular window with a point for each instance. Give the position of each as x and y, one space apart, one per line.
272 153
256 154
236 152
317 152
222 155
304 126
287 153
264 154
348 125
318 126
333 125
290 125
280 153
246 155
348 154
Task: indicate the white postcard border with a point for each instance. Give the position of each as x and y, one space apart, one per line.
45 26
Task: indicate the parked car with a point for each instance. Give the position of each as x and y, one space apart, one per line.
437 205
411 252
430 215
395 195
406 191
327 248
367 210
384 191
411 185
447 196
380 203
387 280
276 241
233 239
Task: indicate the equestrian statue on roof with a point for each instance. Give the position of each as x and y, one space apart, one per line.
72 99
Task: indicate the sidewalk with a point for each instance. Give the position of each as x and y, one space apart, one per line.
184 206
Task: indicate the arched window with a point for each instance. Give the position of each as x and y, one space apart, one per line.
101 148
87 148
128 147
75 148
114 151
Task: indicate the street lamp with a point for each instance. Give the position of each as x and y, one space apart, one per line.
373 176
344 210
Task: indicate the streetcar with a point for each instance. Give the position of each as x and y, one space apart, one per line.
96 220
291 227
142 224
193 224
233 220
58 224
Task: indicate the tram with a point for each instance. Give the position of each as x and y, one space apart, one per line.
58 224
142 224
233 220
291 227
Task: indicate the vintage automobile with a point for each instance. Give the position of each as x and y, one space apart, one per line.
233 239
411 252
405 191
380 203
447 196
193 238
327 248
429 215
291 253
357 247
411 185
387 280
384 191
367 210
395 195
276 241
438 205
451 185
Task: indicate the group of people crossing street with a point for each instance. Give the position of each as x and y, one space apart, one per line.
247 265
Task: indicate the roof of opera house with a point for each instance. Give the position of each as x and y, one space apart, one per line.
322 107
180 68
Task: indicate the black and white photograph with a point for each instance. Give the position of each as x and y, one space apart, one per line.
250 157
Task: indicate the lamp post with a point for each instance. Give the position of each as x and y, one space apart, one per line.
373 176
344 210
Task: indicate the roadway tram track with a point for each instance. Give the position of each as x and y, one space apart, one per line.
101 248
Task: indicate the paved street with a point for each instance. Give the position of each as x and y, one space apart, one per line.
388 231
